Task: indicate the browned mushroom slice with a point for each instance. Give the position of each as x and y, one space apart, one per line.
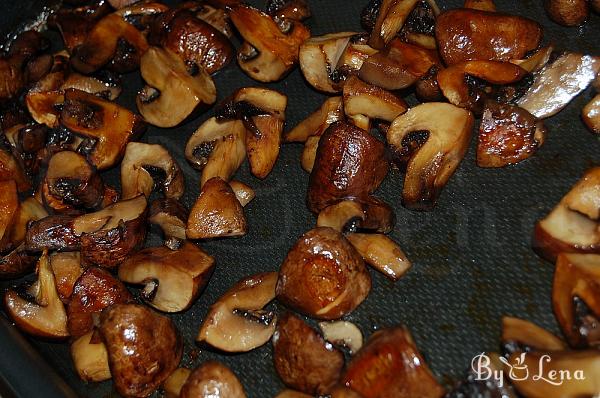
390 19
217 18
319 55
464 35
317 122
390 365
217 148
558 83
434 138
575 298
172 386
71 180
92 85
11 169
243 192
572 226
343 215
419 28
75 23
303 359
95 290
571 373
9 206
45 315
507 135
591 115
66 267
193 40
110 235
536 61
107 124
345 392
16 263
568 12
90 358
344 334
297 10
44 106
350 163
54 232
482 5
351 59
519 335
172 92
237 321
172 279
292 394
454 86
362 99
171 216
382 253
268 53
309 153
110 36
144 348
135 175
212 379
217 213
323 276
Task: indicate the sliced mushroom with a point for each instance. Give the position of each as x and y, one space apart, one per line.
317 122
391 17
172 279
172 92
217 213
303 359
507 135
482 5
95 290
466 34
106 40
309 153
572 226
237 321
144 348
323 276
9 205
243 192
217 18
268 53
11 169
390 365
558 83
109 126
350 163
292 394
217 148
44 106
16 262
519 335
172 386
43 316
568 12
54 232
171 216
109 90
66 267
434 137
454 86
343 333
382 253
362 99
193 40
591 115
419 28
212 379
580 365
536 61
72 181
90 358
135 175
346 214
575 298
75 23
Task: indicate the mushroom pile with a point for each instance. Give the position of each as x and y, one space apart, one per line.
100 288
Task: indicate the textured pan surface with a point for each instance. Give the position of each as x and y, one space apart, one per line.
472 257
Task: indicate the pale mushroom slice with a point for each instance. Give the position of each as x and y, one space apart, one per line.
135 176
171 216
217 213
90 358
433 138
535 62
45 316
268 53
172 92
172 279
238 322
217 148
309 153
317 122
243 192
382 253
558 83
390 19
172 386
519 335
343 333
573 225
591 115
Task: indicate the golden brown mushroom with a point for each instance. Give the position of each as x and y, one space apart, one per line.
172 386
66 267
382 253
519 335
591 115
482 5
212 380
568 12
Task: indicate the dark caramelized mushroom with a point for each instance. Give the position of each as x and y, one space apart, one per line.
144 348
75 24
172 279
109 125
323 276
390 365
303 359
268 53
9 203
12 169
212 380
431 161
507 135
217 213
465 34
568 12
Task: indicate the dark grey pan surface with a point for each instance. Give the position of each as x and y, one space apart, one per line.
472 257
